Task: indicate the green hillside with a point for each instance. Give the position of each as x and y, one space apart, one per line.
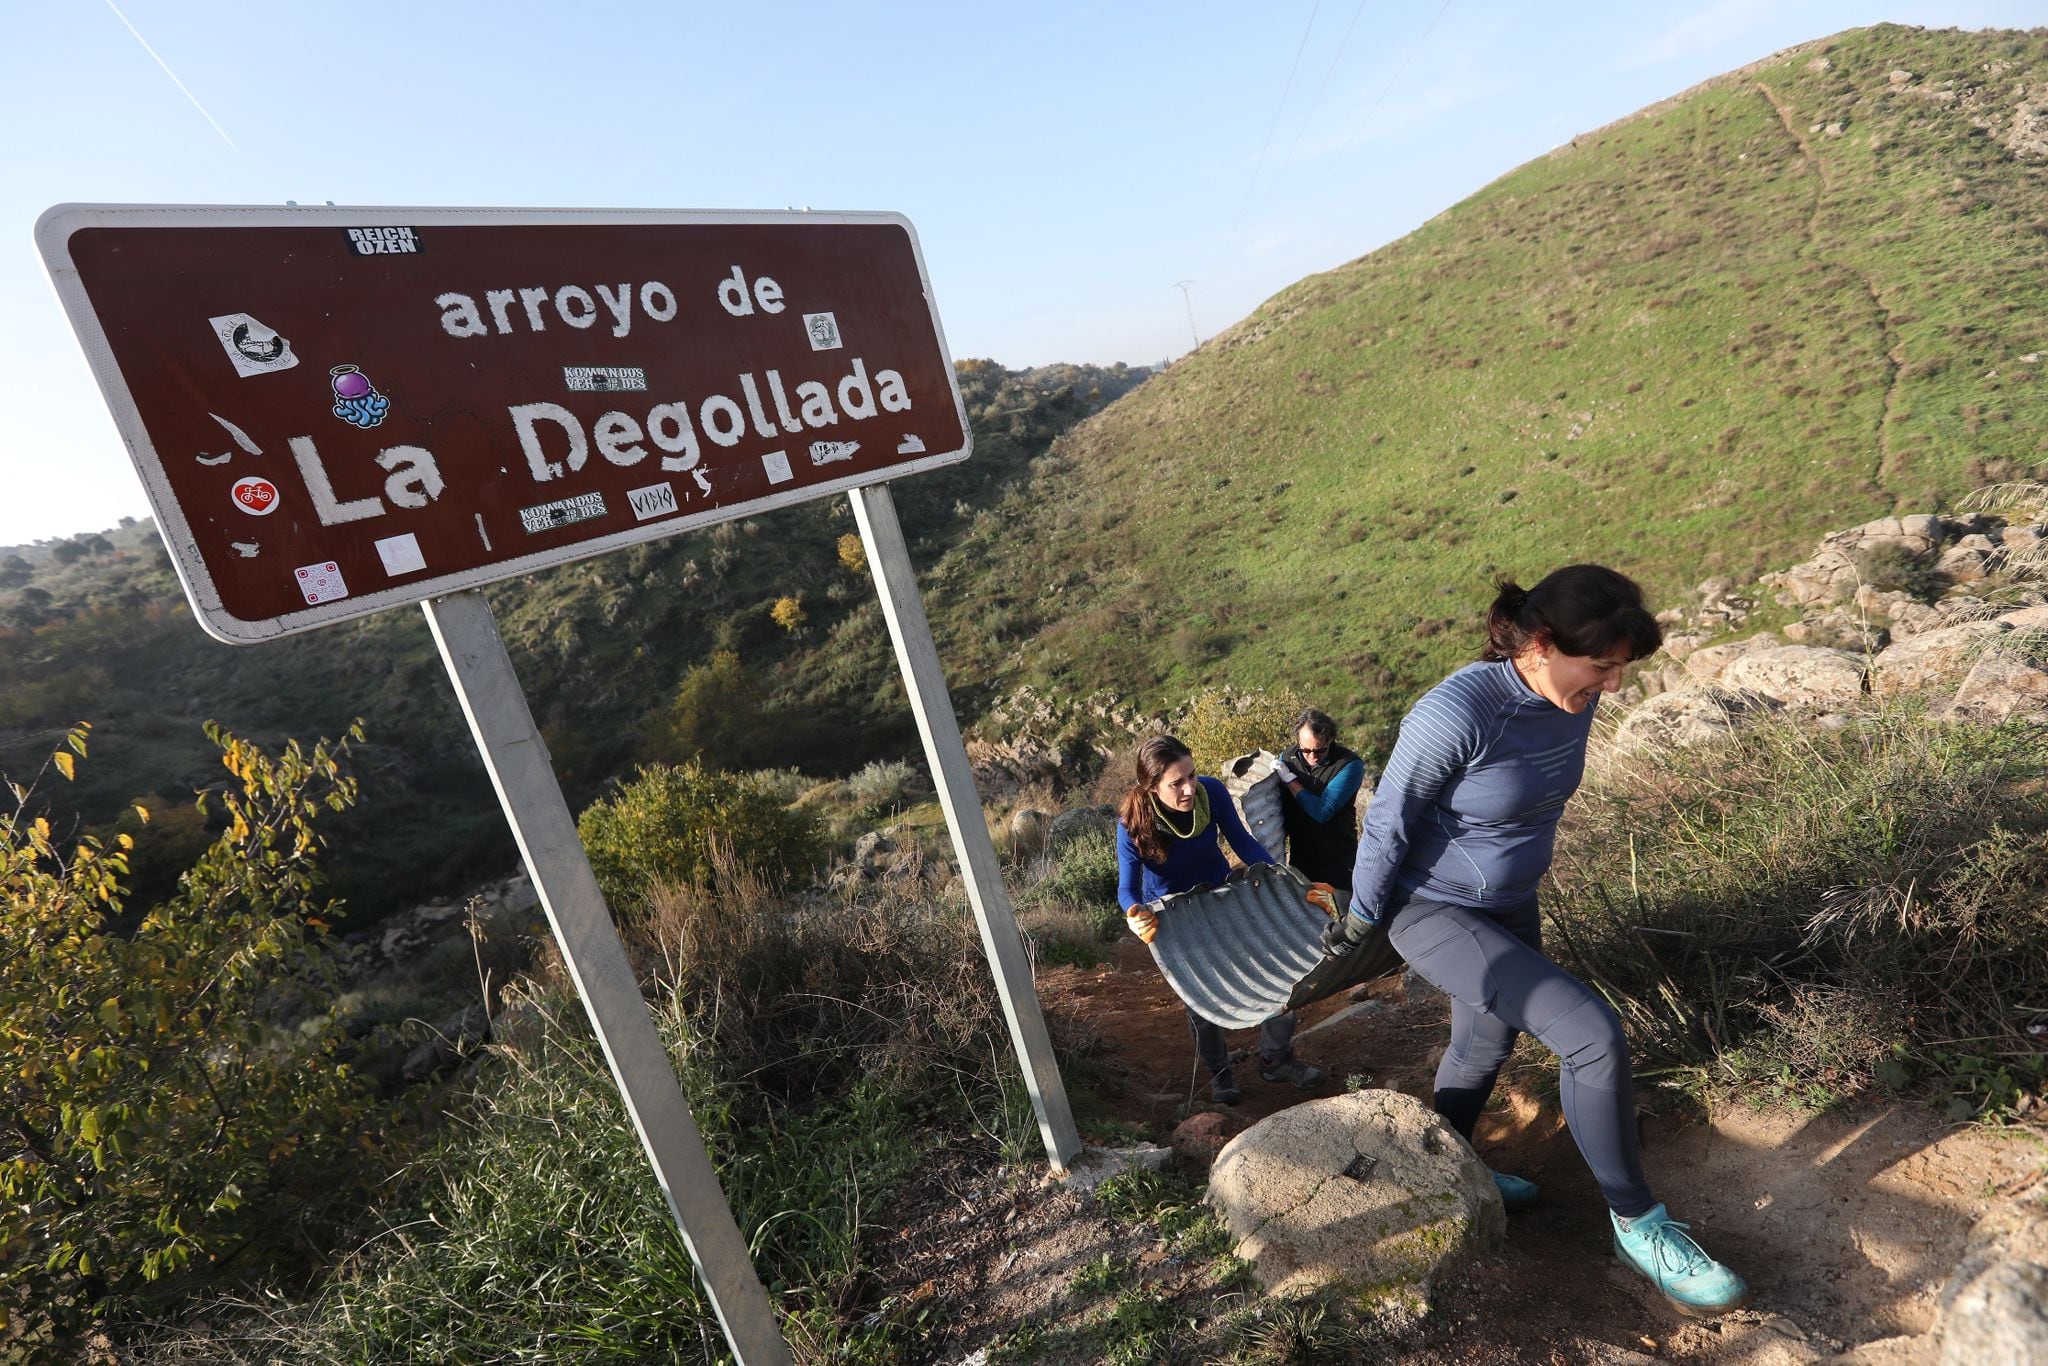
94 628
1795 297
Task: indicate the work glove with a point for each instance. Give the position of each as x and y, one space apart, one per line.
1345 933
1323 897
1284 773
1143 921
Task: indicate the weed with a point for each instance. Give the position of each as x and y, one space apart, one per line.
1101 1274
1144 1328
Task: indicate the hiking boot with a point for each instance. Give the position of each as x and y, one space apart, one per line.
1656 1245
1293 1071
1223 1088
1515 1193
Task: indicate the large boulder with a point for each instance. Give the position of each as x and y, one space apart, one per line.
2003 685
1968 560
1703 668
1932 659
1995 1303
1079 821
1798 675
1694 716
1369 1192
1028 830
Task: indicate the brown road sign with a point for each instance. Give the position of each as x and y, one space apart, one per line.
338 411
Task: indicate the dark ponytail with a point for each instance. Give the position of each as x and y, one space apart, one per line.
1582 609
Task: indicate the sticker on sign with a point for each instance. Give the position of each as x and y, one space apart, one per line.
600 379
656 500
562 512
539 386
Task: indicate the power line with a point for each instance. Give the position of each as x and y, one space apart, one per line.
1395 79
1284 90
1315 103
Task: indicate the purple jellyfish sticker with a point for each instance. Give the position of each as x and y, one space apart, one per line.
356 400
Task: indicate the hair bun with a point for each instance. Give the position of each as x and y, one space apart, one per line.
1510 597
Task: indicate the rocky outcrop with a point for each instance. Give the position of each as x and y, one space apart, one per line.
1971 635
1369 1192
1833 571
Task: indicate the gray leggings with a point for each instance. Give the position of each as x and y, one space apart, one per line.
1491 965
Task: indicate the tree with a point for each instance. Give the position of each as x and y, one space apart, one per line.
789 614
852 553
716 716
155 1113
15 571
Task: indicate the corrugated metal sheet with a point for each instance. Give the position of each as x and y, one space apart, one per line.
1250 948
1256 789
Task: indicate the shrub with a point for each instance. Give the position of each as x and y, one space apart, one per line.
785 785
1219 724
1891 567
789 614
1083 874
883 784
661 828
156 1119
538 1223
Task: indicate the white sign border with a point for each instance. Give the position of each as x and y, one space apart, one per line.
53 238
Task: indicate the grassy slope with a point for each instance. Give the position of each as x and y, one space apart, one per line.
1687 344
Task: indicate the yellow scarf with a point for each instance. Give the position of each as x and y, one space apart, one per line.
1199 817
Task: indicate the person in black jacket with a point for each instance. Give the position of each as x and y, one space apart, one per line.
1322 779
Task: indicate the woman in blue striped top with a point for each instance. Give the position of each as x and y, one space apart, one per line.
1458 836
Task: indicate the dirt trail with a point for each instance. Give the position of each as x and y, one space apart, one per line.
1845 1224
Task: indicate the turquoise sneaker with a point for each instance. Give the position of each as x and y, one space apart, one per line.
1656 1245
1515 1193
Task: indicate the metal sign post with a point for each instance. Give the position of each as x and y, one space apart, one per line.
918 656
467 635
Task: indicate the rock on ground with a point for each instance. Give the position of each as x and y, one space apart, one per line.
1995 1305
1369 1192
1938 658
1694 716
1798 675
1999 1319
2002 686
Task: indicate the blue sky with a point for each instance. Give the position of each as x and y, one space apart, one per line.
1066 163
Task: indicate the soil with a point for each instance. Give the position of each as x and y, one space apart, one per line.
1845 1223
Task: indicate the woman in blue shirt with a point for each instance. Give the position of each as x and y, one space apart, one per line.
1458 836
1165 844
